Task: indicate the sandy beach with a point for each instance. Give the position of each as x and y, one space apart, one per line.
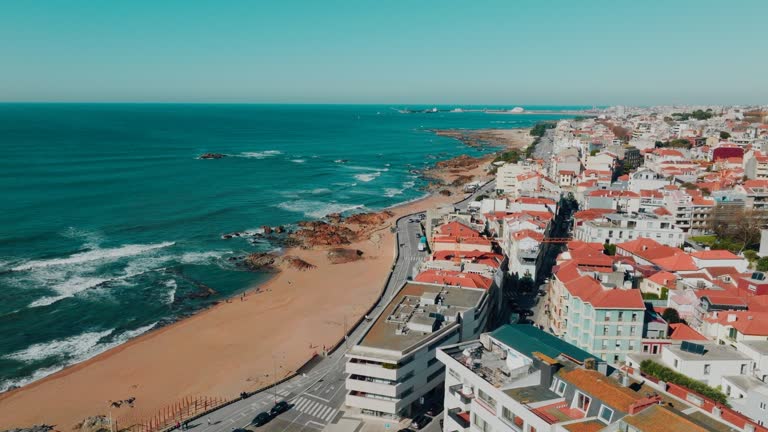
231 347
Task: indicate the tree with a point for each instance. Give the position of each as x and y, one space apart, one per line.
762 264
609 249
724 135
750 255
671 316
593 152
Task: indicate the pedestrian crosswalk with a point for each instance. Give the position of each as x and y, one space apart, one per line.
314 408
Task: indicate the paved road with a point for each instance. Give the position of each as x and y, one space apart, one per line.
317 398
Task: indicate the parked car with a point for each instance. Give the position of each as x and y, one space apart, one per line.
405 430
279 408
261 419
420 421
435 410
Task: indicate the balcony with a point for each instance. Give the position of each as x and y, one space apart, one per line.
370 401
456 391
372 369
460 417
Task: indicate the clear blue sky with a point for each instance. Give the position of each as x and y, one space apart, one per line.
319 51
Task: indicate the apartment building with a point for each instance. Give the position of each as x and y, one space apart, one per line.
394 365
617 228
521 379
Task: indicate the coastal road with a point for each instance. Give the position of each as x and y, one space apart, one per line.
317 396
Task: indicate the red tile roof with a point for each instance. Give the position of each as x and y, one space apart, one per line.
601 388
454 278
682 331
665 279
457 229
747 323
716 255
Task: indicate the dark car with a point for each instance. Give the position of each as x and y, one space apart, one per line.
261 419
420 421
241 430
279 408
434 410
405 430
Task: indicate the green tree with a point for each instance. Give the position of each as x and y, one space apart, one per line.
724 135
750 255
762 264
609 249
671 316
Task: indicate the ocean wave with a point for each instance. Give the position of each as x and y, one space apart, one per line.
365 168
259 155
409 184
298 161
94 255
69 347
69 288
318 209
71 350
202 257
392 192
172 287
367 177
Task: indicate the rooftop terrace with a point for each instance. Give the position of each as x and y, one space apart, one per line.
417 312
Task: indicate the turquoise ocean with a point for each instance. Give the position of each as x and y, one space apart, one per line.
110 224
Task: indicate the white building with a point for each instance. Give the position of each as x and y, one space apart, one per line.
394 365
621 227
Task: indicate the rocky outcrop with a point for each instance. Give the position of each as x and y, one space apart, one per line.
319 233
261 261
297 263
462 180
342 255
211 156
446 192
462 161
370 218
35 428
95 424
335 218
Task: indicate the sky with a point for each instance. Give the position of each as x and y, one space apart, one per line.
508 52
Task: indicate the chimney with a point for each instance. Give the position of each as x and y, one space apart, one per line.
731 318
717 412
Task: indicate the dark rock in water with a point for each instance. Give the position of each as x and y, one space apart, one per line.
279 229
211 156
204 291
226 236
267 229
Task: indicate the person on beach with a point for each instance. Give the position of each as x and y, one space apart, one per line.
209 421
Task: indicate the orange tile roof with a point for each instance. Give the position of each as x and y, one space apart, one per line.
601 387
456 229
527 233
747 322
585 426
716 255
681 331
660 419
454 278
663 278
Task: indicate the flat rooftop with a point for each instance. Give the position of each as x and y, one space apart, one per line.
531 394
712 351
417 312
760 346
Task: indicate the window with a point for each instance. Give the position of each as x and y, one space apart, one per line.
632 330
560 389
481 424
707 369
483 396
618 329
634 316
677 363
632 345
763 406
406 392
434 375
606 414
645 348
607 316
621 316
743 369
511 419
616 358
454 374
605 344
583 401
605 330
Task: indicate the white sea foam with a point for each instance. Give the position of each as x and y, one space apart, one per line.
259 155
391 192
71 350
69 347
298 161
367 177
202 257
172 287
317 209
94 255
69 288
409 184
